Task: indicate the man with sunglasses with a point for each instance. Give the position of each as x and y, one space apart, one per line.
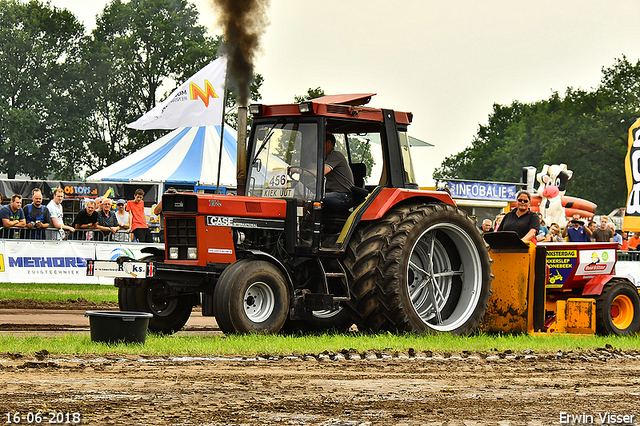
522 220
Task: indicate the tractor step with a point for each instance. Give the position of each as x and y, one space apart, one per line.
334 276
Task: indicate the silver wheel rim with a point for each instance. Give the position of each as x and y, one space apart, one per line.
258 302
430 277
326 314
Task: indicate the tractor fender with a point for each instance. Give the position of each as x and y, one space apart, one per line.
271 259
595 285
389 197
381 199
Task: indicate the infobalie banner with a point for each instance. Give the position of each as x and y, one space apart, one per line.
60 262
482 190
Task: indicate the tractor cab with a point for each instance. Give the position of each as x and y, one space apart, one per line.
286 158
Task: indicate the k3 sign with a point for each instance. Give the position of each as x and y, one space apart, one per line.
632 171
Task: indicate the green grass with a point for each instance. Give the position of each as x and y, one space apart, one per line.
254 345
59 292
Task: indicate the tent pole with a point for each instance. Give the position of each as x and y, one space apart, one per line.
224 104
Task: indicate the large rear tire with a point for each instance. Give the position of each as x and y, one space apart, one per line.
170 313
421 268
251 296
618 309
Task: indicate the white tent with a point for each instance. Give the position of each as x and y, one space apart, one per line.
185 155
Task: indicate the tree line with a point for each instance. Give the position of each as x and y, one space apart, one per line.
66 96
585 129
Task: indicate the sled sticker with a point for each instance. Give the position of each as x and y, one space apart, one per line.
561 263
595 262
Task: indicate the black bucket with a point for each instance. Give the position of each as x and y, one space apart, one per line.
118 326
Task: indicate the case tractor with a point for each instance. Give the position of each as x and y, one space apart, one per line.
273 257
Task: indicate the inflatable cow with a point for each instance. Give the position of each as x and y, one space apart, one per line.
553 184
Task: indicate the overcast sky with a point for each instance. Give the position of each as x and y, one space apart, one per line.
446 61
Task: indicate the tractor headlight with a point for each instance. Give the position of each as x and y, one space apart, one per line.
173 252
255 109
192 253
305 107
240 238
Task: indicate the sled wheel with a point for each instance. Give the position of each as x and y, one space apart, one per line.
618 309
251 296
421 268
170 313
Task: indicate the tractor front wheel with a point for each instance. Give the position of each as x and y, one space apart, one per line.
170 313
251 296
618 309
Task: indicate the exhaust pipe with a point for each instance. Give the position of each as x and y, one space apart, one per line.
241 164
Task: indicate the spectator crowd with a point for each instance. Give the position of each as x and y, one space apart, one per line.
98 220
575 231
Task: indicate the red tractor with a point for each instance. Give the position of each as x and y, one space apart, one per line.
274 257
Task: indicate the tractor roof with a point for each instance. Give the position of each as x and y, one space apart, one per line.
356 99
346 106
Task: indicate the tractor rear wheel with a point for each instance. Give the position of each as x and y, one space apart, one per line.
170 314
421 268
618 309
251 296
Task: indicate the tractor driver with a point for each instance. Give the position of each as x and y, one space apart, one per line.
339 177
522 220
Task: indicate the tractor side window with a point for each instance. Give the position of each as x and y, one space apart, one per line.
365 148
286 165
341 145
409 174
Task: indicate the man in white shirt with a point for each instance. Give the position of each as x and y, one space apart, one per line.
57 215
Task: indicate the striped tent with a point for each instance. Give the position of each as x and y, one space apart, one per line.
185 155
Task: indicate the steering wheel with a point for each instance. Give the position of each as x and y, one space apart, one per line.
298 171
300 187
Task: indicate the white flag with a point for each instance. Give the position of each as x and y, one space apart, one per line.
198 102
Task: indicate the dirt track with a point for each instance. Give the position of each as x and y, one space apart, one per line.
327 389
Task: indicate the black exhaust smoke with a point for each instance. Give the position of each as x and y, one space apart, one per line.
243 23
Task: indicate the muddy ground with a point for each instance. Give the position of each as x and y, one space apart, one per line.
346 388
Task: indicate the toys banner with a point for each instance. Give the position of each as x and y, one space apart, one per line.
632 170
79 190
